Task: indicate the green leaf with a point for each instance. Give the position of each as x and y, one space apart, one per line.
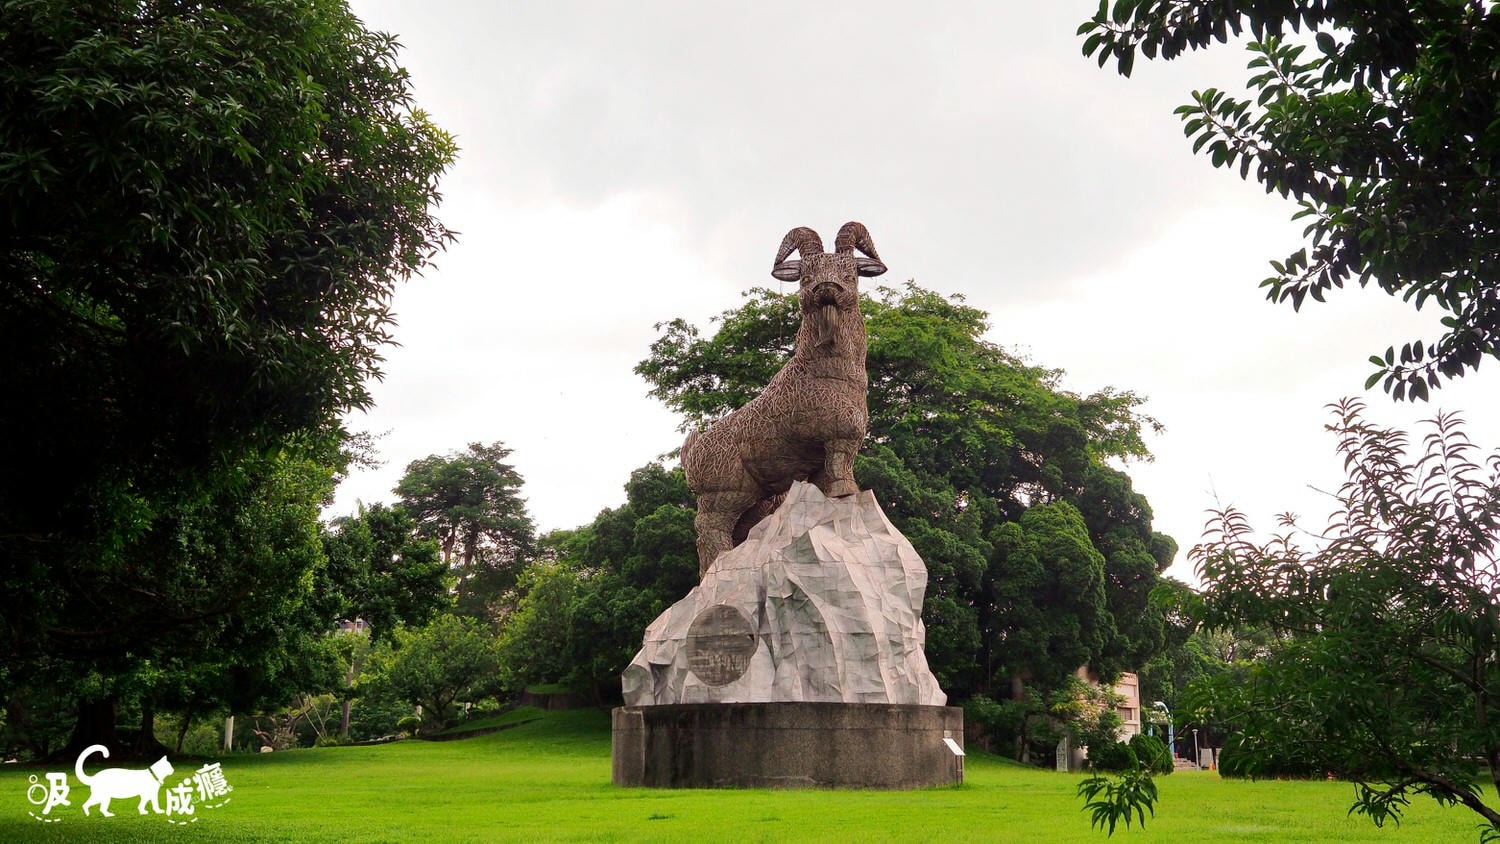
1219 153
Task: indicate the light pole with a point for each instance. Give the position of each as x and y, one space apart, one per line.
1171 736
1197 759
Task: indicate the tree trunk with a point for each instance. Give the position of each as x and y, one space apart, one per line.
19 719
344 719
95 725
145 745
182 731
1018 692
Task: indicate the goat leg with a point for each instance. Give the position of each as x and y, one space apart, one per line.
837 478
718 513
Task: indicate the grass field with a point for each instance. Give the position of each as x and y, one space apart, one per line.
548 780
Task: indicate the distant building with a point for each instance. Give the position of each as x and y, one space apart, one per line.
358 625
1128 687
1128 707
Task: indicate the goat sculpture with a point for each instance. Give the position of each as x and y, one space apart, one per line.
810 420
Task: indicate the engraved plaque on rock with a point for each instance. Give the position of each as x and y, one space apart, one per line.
719 645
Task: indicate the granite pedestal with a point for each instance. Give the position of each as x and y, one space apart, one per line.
787 745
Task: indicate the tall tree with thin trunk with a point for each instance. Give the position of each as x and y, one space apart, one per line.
470 502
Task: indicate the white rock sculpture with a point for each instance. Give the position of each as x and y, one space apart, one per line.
823 602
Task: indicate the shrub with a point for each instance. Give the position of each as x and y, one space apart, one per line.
1152 753
1112 756
1233 763
376 713
205 737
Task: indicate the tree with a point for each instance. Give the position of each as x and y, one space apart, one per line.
451 660
966 441
379 571
535 646
1044 596
236 623
584 606
1385 134
1388 673
1197 658
469 501
208 208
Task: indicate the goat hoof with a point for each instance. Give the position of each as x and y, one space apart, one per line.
841 489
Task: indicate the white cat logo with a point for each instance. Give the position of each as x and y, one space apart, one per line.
111 783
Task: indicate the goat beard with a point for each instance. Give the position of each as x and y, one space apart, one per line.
825 324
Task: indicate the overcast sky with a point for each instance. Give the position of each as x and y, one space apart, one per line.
623 164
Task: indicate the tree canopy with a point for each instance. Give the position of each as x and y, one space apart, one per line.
1382 123
217 605
208 209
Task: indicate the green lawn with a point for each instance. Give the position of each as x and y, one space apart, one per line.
548 779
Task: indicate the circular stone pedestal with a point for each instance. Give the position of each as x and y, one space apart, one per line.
787 745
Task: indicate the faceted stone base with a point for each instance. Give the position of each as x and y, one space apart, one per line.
787 745
822 603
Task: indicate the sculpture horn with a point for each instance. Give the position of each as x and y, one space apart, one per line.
854 235
802 239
